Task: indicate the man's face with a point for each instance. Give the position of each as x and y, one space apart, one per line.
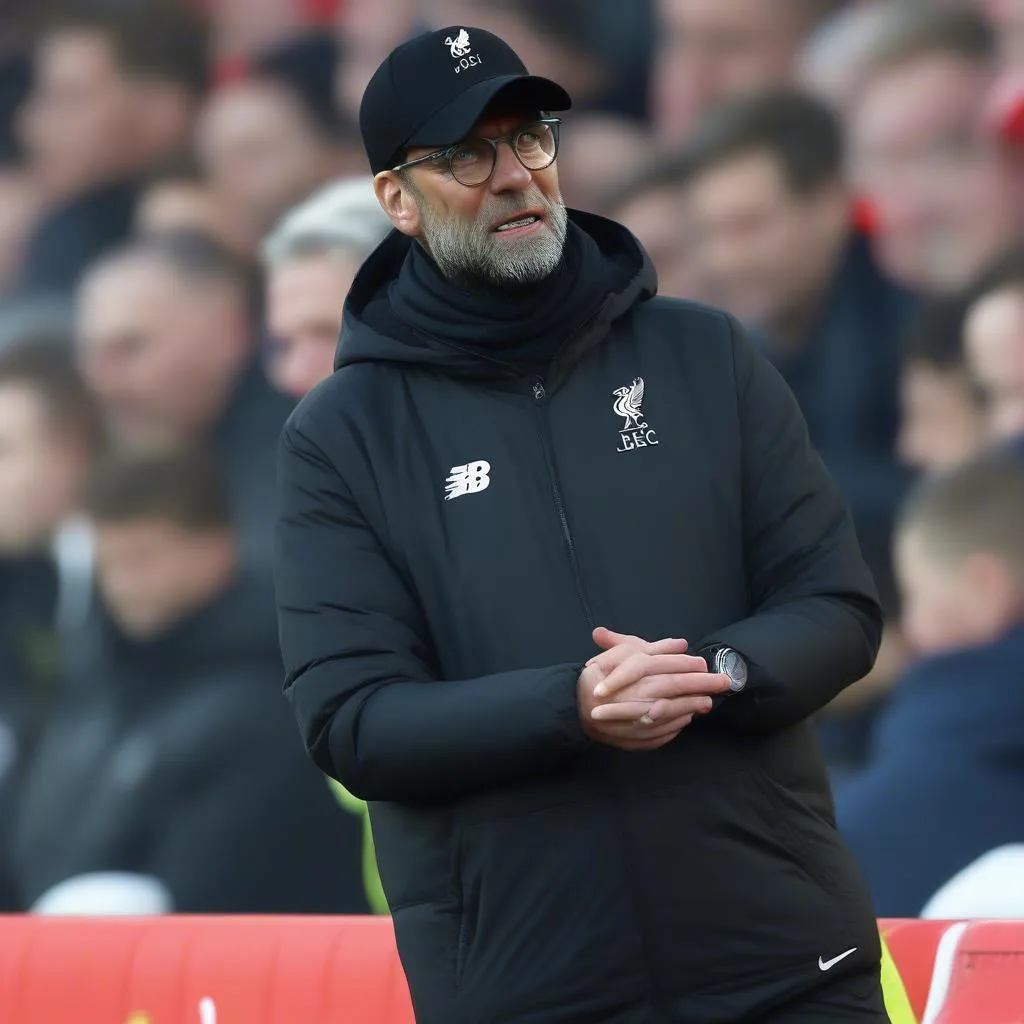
152 573
661 222
760 246
711 49
260 151
940 423
39 471
77 125
305 297
147 346
466 230
942 194
995 346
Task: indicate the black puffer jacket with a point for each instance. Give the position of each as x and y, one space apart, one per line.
450 532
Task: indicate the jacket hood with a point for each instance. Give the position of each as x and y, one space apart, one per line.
371 333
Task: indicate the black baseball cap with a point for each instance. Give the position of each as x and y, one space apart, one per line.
431 90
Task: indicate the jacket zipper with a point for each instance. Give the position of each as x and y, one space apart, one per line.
539 397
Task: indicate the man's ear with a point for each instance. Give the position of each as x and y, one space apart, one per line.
398 202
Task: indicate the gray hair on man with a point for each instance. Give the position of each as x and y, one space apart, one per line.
343 217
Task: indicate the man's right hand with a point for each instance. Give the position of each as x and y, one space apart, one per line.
646 674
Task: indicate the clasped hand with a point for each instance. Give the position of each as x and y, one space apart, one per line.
639 695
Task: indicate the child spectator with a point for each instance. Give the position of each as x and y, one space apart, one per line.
946 779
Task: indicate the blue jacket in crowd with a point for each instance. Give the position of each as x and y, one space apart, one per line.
945 783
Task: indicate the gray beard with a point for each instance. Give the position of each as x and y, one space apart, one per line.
470 255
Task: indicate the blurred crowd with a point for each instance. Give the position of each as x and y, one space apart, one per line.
184 202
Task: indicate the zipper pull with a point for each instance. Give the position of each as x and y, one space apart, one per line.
539 393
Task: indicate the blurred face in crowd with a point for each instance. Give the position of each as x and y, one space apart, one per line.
305 296
41 469
506 233
766 251
940 422
942 192
660 219
995 347
949 600
159 352
261 152
712 49
78 124
169 207
153 573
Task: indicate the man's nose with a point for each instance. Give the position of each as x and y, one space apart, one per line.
509 173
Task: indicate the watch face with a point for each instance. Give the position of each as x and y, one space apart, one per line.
735 668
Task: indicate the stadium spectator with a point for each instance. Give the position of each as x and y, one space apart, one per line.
170 754
941 186
180 200
264 149
941 421
312 257
711 50
49 431
115 92
946 779
437 620
167 343
652 204
995 345
774 237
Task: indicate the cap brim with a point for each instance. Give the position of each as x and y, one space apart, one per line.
454 121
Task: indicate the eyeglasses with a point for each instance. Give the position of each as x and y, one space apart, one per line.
472 161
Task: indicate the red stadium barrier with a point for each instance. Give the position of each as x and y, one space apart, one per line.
305 970
913 945
201 970
979 975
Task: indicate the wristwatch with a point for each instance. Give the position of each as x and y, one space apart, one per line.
728 662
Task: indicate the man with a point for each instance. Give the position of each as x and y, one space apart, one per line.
311 258
166 343
775 239
114 95
169 753
943 188
264 147
48 434
994 334
521 446
711 50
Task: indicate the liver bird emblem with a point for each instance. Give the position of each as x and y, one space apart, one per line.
628 403
460 44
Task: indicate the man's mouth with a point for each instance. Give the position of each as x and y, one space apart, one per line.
522 221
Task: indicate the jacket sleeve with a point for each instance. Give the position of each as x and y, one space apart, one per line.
816 623
358 662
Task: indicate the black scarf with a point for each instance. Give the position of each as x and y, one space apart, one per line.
522 331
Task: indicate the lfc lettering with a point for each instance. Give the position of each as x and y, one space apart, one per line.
633 439
468 62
